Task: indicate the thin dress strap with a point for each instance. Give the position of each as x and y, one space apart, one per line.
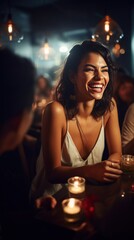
67 123
102 121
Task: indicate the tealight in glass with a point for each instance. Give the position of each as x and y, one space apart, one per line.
76 187
72 209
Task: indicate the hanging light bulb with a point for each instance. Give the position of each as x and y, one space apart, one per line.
13 34
9 32
46 49
107 25
108 32
44 52
10 27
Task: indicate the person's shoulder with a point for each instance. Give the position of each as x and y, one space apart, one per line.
131 107
130 111
113 105
113 108
54 111
113 102
54 107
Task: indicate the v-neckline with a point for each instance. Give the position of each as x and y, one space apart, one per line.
91 149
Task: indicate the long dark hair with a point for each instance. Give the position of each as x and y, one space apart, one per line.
65 92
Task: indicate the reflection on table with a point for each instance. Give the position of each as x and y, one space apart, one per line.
108 211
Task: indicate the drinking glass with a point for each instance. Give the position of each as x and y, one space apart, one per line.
127 164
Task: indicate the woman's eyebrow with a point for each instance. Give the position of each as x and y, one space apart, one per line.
90 65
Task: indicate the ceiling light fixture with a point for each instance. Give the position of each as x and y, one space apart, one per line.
108 32
9 32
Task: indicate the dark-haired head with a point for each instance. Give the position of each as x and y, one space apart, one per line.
17 84
65 92
17 89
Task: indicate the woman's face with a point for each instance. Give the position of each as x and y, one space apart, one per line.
91 78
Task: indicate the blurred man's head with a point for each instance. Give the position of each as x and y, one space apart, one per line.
17 87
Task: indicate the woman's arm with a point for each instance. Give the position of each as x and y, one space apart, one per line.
113 135
53 132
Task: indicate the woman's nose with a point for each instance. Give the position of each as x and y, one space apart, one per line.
98 76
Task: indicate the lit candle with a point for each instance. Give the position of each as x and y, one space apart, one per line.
71 206
72 209
76 185
127 163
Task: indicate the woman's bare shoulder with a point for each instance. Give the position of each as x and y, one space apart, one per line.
113 102
54 113
54 107
113 107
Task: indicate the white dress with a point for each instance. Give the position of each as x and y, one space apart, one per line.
70 157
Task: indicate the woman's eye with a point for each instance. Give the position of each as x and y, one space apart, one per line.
89 70
105 70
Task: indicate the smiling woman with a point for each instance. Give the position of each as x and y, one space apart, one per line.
74 125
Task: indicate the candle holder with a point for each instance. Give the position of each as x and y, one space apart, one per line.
127 164
76 187
72 209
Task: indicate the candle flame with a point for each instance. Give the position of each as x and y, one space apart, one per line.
76 183
71 203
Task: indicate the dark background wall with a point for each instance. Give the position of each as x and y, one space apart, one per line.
67 21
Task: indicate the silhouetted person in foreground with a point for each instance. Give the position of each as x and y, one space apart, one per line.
17 89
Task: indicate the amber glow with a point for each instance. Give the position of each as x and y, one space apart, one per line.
10 27
108 31
46 50
107 26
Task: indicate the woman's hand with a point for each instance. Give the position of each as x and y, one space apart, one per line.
105 171
110 170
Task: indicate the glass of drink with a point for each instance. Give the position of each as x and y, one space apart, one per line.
127 164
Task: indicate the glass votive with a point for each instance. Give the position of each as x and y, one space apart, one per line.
76 186
71 209
127 164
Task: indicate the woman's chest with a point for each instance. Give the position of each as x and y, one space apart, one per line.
85 135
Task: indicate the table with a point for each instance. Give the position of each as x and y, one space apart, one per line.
112 218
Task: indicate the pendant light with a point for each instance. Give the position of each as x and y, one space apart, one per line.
108 32
44 51
9 31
